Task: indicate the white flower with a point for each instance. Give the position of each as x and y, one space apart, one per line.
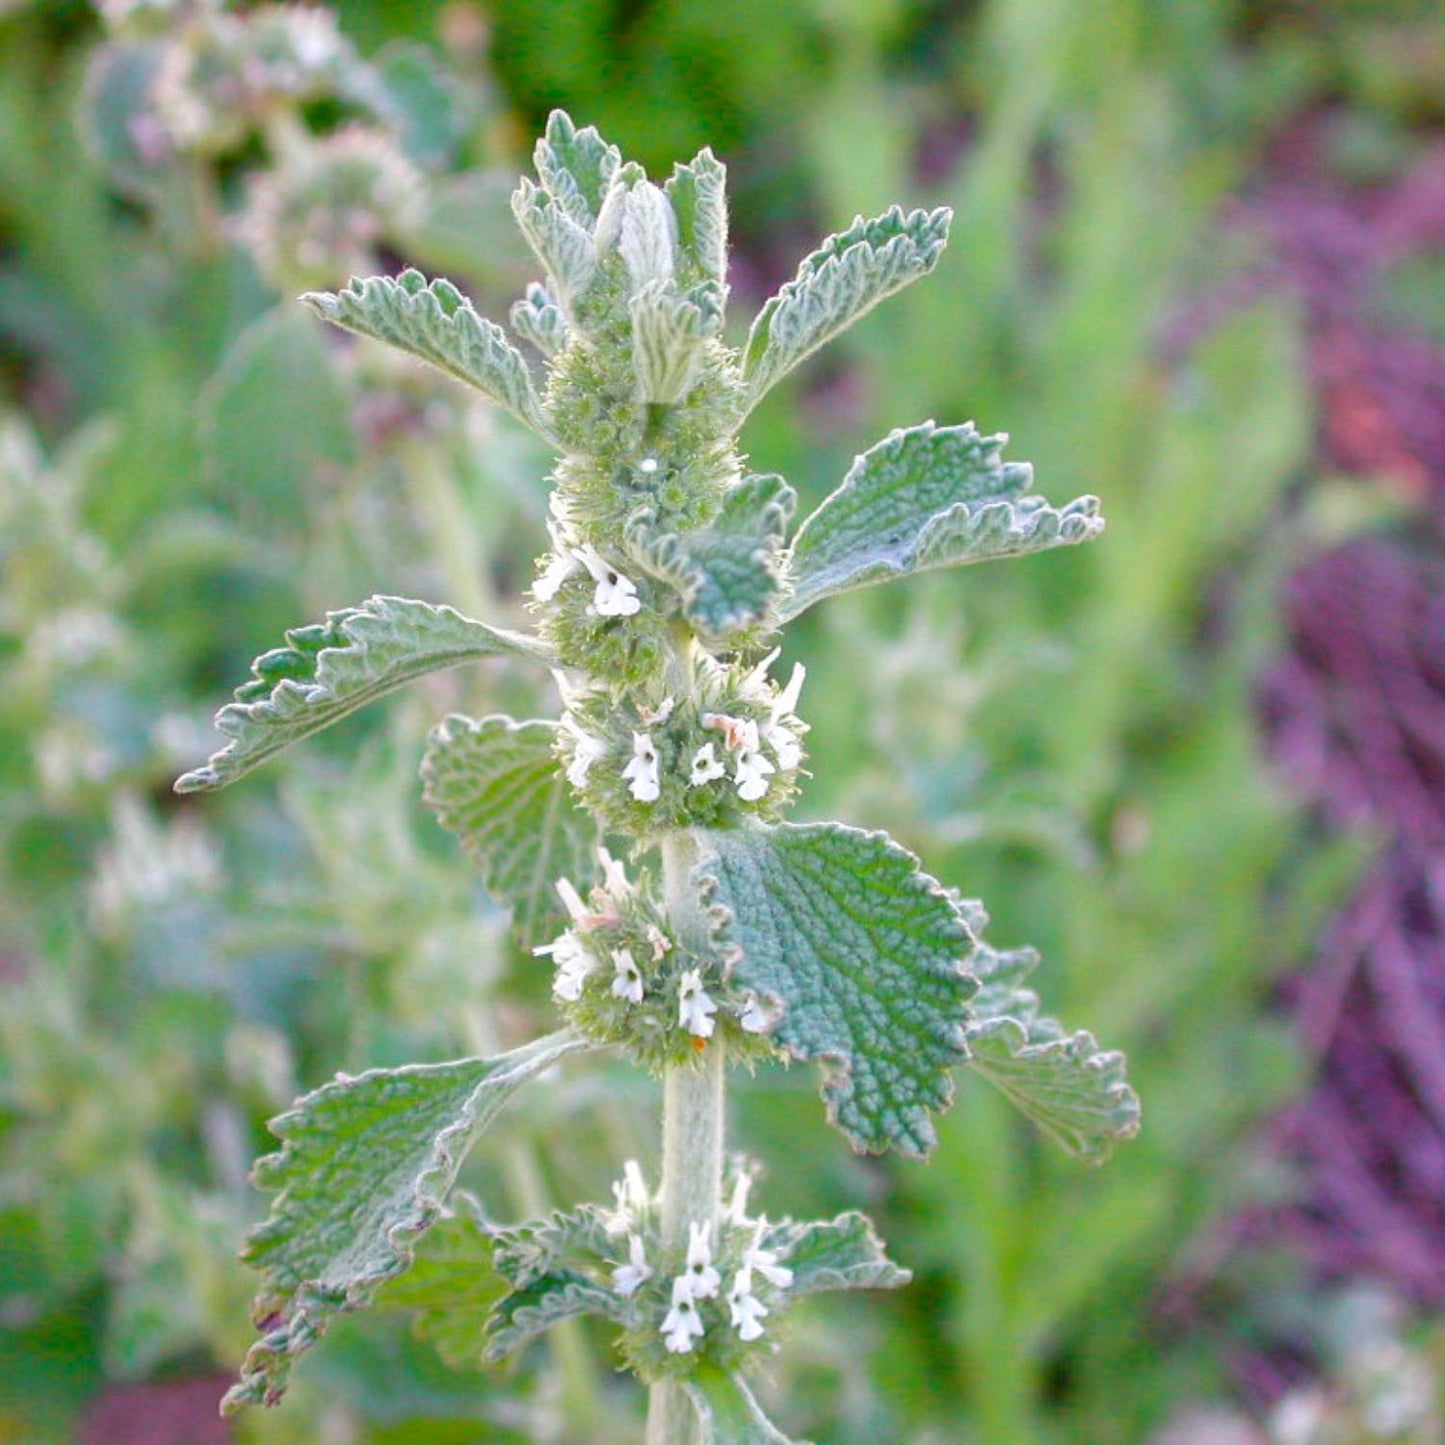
627 1277
706 765
586 750
785 745
647 465
765 1261
615 595
630 1195
744 1307
702 1279
787 700
628 983
661 943
577 910
561 566
737 1210
641 773
573 962
695 1009
682 1323
751 768
614 877
659 714
755 1018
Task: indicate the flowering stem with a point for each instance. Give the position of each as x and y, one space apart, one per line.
692 1136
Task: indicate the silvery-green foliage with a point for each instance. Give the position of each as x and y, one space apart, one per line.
667 572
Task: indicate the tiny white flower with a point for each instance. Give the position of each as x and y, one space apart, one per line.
572 901
628 983
737 1210
586 750
703 1280
751 768
730 727
561 566
627 1277
755 1019
615 595
630 1194
647 465
641 774
695 1009
682 1324
661 943
706 765
787 700
659 714
785 745
765 1261
573 962
744 1307
614 876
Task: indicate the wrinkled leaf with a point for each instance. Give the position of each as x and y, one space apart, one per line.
438 324
727 1412
848 275
365 1167
538 319
576 166
841 1253
497 785
698 192
328 670
450 1284
528 1312
864 953
729 573
1073 1090
559 242
927 496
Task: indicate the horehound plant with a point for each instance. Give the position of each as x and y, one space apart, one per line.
713 933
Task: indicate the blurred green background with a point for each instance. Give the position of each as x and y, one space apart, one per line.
188 465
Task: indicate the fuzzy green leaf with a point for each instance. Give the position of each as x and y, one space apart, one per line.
698 192
538 319
729 573
927 496
496 784
848 275
841 1253
562 244
328 670
525 1313
727 1412
668 332
553 1266
864 952
450 1284
365 1167
1073 1090
576 167
438 324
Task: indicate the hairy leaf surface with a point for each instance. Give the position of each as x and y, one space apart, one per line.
727 1411
438 324
328 670
697 191
730 572
497 785
864 953
840 1253
927 496
365 1167
848 275
1071 1088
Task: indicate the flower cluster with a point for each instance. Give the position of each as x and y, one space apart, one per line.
621 978
694 1296
731 750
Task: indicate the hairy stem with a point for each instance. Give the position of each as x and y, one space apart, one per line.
693 1123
